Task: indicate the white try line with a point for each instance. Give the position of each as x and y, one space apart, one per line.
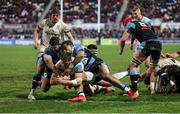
89 101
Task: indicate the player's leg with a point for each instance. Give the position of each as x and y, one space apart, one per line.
45 82
155 50
134 73
120 75
80 97
40 68
89 89
104 72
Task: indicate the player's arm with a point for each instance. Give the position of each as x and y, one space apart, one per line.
48 61
37 30
78 58
62 81
122 41
69 35
125 36
132 42
75 82
36 33
57 67
67 32
173 55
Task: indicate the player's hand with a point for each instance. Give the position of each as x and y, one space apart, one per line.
131 47
169 55
35 46
163 56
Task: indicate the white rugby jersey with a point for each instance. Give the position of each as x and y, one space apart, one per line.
168 61
50 30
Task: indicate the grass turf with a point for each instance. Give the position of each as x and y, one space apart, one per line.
17 65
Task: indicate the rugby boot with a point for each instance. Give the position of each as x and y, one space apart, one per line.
133 95
31 97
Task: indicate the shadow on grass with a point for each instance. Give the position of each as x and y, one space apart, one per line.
48 96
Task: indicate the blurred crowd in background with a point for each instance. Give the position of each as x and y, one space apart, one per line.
27 12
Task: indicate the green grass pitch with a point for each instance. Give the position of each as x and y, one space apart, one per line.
17 65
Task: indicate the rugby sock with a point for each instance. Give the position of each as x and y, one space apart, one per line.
133 82
123 88
99 88
120 75
80 93
79 90
36 81
152 86
32 91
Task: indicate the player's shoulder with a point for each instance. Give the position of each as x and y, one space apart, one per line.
146 20
60 22
47 50
45 21
42 23
79 47
131 24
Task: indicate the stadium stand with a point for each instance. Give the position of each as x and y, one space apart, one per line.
25 14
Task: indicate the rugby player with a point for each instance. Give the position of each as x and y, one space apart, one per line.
167 79
51 27
45 62
150 47
137 15
98 88
92 89
93 64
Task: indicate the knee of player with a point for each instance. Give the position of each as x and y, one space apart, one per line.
107 76
45 89
37 76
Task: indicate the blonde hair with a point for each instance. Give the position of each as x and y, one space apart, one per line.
134 8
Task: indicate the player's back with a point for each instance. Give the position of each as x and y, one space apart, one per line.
141 31
55 55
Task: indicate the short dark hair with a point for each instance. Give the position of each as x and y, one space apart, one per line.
92 46
55 10
66 56
67 42
54 41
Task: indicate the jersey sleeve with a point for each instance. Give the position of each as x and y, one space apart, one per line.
79 68
77 49
47 51
65 27
129 27
42 24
